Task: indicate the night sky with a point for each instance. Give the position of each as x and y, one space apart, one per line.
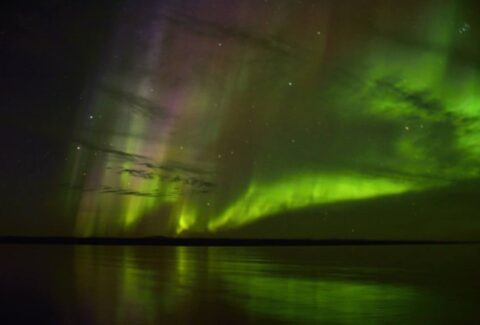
244 118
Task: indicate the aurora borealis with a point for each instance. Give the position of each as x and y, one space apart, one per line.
213 115
203 117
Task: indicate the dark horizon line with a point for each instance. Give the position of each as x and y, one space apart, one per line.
199 241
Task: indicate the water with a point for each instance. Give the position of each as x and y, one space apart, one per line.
194 285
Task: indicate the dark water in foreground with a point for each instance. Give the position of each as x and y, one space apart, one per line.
329 285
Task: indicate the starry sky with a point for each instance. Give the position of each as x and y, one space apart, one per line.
270 119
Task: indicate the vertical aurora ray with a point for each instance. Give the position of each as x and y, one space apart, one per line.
212 115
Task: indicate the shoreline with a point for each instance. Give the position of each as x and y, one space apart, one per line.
170 241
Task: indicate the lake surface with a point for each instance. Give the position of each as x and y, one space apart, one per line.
424 284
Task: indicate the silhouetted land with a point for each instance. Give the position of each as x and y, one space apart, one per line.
169 241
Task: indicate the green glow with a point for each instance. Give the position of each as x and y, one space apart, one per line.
303 191
186 218
322 298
